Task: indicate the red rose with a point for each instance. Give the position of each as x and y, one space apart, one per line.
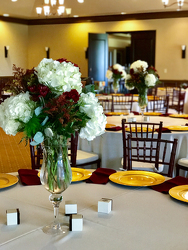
43 90
73 94
32 88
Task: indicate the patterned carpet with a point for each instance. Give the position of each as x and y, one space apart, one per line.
13 156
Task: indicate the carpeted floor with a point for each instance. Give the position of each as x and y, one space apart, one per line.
13 156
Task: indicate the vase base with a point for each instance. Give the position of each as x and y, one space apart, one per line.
52 229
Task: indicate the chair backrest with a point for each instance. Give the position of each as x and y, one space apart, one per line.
138 129
178 100
106 104
150 150
158 104
122 102
36 152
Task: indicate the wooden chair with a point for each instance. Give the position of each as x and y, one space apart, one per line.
158 104
106 104
178 100
145 153
138 129
122 103
78 158
181 164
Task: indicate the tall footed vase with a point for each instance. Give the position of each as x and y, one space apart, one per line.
55 176
142 101
115 85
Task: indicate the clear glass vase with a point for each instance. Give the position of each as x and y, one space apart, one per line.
142 100
115 85
55 176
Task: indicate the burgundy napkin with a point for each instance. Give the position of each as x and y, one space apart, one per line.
135 112
29 177
167 185
117 128
164 130
166 114
100 176
107 115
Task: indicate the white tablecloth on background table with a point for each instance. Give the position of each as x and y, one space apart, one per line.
110 146
141 219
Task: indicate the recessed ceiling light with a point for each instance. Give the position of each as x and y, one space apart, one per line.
5 14
14 0
75 16
123 13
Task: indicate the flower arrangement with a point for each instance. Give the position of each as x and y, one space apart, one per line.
141 76
116 72
50 98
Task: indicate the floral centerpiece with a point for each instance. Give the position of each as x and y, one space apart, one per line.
116 72
48 105
141 77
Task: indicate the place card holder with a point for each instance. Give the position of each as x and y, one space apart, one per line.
105 205
13 217
76 222
70 207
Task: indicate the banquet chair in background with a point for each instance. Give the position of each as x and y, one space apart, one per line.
78 158
181 164
138 129
158 104
178 100
122 103
106 104
151 154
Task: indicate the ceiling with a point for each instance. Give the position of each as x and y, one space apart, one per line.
26 8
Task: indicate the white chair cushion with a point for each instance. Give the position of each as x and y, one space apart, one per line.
183 162
84 157
146 166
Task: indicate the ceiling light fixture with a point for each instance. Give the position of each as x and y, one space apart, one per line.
178 2
54 7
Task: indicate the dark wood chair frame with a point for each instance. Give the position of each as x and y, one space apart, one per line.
159 104
122 102
149 149
150 131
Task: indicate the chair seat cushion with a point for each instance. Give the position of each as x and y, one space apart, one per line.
146 166
183 162
84 157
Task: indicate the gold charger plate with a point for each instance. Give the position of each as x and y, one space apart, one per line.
137 178
179 193
152 113
79 174
144 129
7 180
117 113
179 115
110 125
177 128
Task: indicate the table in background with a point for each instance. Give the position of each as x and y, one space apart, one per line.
110 146
141 219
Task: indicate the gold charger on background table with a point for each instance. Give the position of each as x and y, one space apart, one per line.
137 178
108 125
79 174
139 129
117 113
7 180
177 128
152 113
179 115
179 193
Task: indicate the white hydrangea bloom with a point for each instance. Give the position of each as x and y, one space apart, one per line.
109 74
123 74
96 125
138 64
59 77
16 107
150 80
118 67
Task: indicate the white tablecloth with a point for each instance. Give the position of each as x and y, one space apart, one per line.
141 219
110 146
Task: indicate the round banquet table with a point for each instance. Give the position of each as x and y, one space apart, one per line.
110 146
141 218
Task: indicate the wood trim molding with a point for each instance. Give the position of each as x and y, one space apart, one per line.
105 18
